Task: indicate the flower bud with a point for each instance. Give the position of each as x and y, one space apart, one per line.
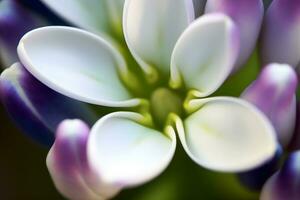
274 94
280 35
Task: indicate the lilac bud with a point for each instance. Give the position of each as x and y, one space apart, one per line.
69 166
274 94
67 160
280 35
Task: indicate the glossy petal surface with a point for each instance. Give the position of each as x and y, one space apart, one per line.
126 153
228 134
152 27
76 63
205 54
248 16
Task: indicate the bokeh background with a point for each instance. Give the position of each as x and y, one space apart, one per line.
23 172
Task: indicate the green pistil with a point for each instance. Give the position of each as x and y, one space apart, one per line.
163 102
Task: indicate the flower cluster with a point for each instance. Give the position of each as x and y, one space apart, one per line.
142 74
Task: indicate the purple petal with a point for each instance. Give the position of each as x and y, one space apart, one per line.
248 15
15 21
69 167
67 160
256 178
35 108
281 30
285 184
274 93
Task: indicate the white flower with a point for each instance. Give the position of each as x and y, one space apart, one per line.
179 66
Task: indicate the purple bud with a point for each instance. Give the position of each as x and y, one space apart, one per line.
69 167
274 94
248 16
67 160
285 184
280 35
35 108
15 21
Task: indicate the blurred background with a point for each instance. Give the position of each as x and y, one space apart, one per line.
23 173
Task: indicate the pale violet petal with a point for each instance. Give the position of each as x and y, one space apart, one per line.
67 163
228 134
205 54
127 153
94 15
152 27
274 93
280 40
77 64
248 16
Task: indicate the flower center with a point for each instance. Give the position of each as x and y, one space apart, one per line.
164 101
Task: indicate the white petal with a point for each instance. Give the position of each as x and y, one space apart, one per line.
125 152
152 27
228 134
248 16
77 64
93 15
205 54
